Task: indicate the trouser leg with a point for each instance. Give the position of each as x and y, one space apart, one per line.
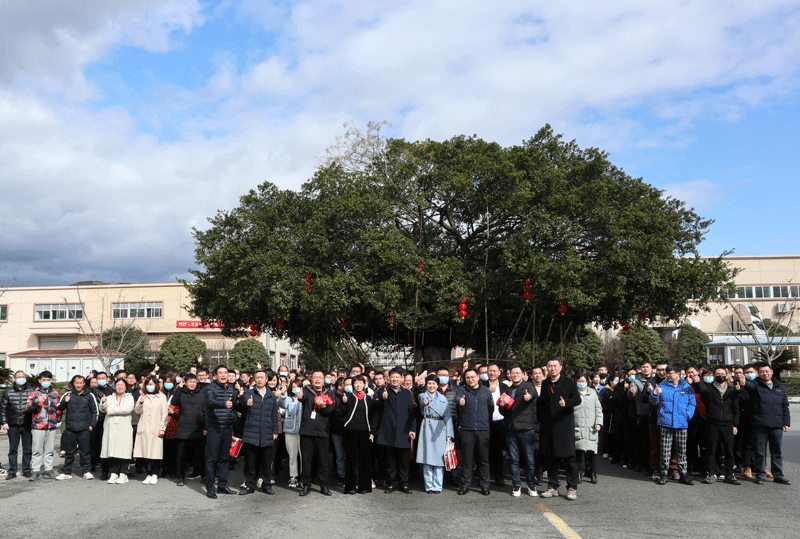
482 457
350 447
364 462
655 447
571 468
497 443
293 449
680 450
775 437
85 450
514 449
529 441
468 448
69 441
666 448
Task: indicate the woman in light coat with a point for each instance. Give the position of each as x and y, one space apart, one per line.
117 431
435 430
291 428
588 422
152 408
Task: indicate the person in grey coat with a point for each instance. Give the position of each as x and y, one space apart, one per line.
588 422
434 432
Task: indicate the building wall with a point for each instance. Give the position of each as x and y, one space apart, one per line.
20 331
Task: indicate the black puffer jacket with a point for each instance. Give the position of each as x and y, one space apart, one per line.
192 416
81 410
261 419
217 414
522 415
721 409
100 392
768 407
12 406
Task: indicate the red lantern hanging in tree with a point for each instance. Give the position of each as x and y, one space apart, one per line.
343 322
392 319
526 290
462 309
279 326
307 286
642 316
562 307
626 326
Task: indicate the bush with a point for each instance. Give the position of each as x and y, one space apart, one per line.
179 351
643 343
792 385
247 354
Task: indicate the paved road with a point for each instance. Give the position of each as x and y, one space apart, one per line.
621 505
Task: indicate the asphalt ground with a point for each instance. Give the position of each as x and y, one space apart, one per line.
623 504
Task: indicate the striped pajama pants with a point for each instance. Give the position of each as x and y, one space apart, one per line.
667 435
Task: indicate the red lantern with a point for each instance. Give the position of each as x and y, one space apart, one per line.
462 307
253 333
343 322
462 313
526 290
562 307
307 286
626 326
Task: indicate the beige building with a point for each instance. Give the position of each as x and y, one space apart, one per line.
54 327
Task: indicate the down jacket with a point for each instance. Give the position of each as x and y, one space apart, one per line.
12 406
81 410
721 408
768 407
217 414
261 419
294 412
522 415
192 415
587 414
675 404
44 416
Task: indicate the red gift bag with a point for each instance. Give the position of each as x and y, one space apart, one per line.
450 457
508 404
236 446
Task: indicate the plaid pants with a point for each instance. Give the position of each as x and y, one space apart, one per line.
667 434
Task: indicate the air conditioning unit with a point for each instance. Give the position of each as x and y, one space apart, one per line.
784 307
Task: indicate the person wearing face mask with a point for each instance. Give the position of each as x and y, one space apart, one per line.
42 404
743 440
291 427
722 419
169 388
81 407
655 431
676 404
103 389
16 421
588 422
153 412
357 412
436 428
190 402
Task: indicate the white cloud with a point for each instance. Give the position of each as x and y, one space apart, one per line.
701 194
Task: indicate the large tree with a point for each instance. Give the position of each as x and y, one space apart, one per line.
541 238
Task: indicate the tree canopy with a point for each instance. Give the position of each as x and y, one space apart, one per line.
541 238
180 351
643 343
691 344
247 354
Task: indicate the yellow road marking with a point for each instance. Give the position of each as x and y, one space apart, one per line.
557 523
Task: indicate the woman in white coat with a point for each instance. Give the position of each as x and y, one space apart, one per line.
117 431
152 408
588 422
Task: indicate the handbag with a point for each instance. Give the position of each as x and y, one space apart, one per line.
236 446
450 457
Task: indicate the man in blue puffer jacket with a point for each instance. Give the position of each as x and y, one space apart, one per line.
676 403
220 397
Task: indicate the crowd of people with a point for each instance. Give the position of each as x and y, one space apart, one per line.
360 429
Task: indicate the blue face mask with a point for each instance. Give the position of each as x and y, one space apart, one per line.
444 380
348 389
327 381
102 383
750 376
631 378
178 379
20 381
708 379
151 389
46 384
168 386
602 381
582 385
484 377
237 376
295 391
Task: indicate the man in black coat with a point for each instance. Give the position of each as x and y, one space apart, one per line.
518 406
259 406
190 401
17 422
220 397
556 410
81 407
396 428
768 403
722 419
315 432
475 410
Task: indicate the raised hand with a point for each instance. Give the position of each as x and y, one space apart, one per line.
385 394
527 396
561 402
657 390
66 399
250 401
633 390
229 404
649 388
463 401
344 399
425 402
493 387
103 399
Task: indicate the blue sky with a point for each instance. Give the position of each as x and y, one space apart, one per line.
124 124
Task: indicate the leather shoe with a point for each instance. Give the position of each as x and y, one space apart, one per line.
405 489
324 490
246 491
226 490
593 479
485 491
759 481
390 489
11 476
781 481
731 480
267 490
351 492
686 480
306 490
462 491
211 494
662 480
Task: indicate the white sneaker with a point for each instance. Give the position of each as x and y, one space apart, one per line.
516 492
572 494
259 483
532 492
153 479
549 493
88 476
123 478
146 480
113 478
63 476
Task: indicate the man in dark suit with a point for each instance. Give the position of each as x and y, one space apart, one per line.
396 429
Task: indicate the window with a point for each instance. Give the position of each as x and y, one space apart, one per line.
716 355
737 355
151 309
780 291
762 291
3 313
59 311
